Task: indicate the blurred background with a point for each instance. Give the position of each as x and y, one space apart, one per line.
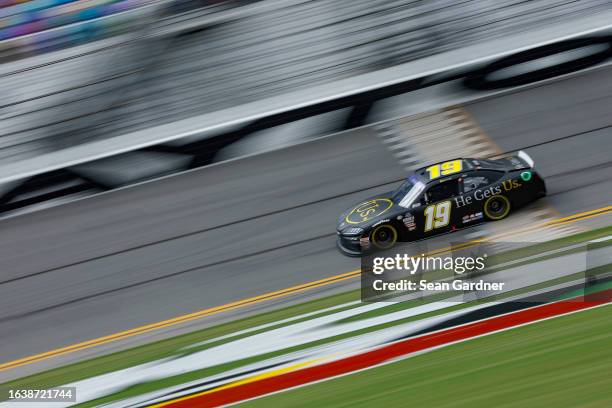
318 104
77 71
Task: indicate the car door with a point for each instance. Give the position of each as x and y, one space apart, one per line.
438 214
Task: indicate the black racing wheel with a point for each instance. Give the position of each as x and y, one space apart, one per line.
497 207
384 236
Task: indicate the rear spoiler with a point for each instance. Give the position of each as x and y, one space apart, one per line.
526 158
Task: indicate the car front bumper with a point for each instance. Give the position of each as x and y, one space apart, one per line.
349 247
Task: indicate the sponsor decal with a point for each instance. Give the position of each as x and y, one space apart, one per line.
484 193
526 175
409 222
472 217
381 222
510 184
369 210
353 231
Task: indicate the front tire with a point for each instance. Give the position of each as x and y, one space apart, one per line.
384 236
497 207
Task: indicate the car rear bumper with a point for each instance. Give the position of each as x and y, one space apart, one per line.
541 186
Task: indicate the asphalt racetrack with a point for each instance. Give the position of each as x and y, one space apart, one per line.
259 224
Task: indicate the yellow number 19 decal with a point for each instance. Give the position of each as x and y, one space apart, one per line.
437 215
444 169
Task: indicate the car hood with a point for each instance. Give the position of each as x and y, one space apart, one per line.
368 212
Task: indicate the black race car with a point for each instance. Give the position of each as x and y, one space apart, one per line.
440 198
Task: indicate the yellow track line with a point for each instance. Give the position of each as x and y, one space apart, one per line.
176 320
267 296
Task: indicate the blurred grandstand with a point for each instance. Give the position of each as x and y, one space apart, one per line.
77 71
33 27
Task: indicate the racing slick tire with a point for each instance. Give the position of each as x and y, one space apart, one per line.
384 236
497 207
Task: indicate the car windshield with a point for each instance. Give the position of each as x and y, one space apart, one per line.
408 192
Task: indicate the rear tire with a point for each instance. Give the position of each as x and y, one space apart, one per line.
497 207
